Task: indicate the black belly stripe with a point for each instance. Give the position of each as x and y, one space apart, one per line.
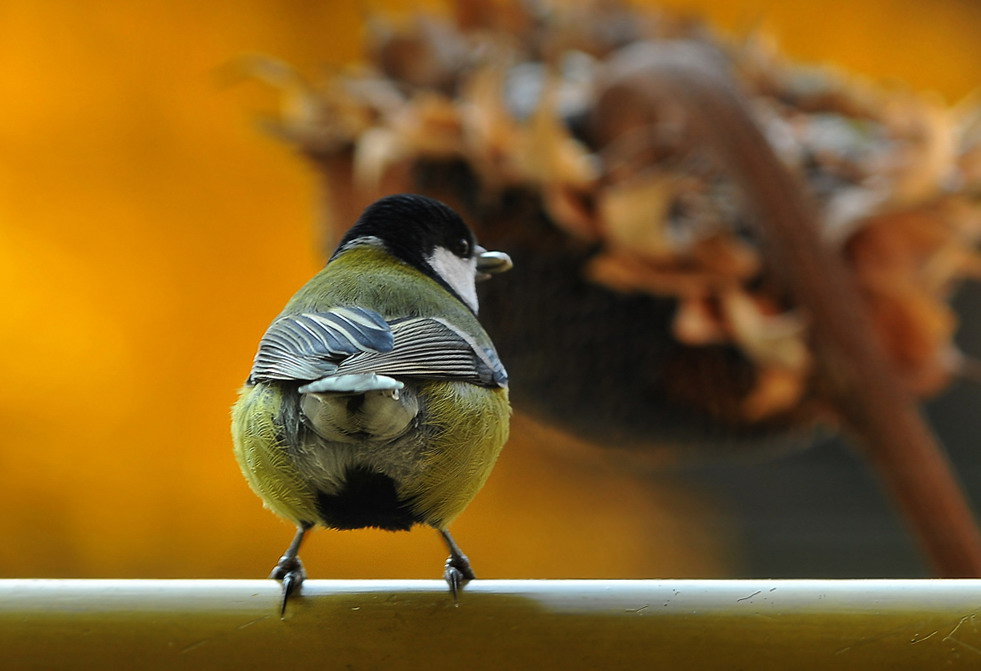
367 499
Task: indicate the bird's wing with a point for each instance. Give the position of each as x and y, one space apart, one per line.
311 345
431 348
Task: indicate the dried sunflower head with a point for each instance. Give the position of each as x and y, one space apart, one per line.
641 310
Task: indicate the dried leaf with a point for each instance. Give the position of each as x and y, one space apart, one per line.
696 322
430 126
427 53
726 255
506 16
776 390
627 272
377 150
773 340
634 214
547 153
916 329
572 209
490 133
926 149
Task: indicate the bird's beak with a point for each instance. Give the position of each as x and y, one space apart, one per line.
491 263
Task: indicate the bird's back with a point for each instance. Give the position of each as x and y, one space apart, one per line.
336 459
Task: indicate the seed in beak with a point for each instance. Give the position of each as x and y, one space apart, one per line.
491 263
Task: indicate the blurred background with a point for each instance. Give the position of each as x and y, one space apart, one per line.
149 231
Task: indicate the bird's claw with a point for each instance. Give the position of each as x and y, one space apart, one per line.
457 573
290 571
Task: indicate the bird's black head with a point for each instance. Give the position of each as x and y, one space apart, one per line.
424 233
411 227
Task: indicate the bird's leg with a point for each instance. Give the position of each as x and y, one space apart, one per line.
289 569
456 571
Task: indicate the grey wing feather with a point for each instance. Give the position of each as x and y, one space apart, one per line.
310 346
431 348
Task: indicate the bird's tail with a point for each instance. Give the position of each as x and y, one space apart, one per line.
358 406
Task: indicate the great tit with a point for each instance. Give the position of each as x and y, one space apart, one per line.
376 399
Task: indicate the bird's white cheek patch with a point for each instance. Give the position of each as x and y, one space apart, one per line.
459 273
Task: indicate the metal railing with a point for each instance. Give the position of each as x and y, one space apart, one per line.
497 624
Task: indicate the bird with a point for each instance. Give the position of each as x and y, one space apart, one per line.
376 398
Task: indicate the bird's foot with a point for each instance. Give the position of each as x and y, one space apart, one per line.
290 571
457 573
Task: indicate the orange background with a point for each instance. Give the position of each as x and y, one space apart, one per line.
149 232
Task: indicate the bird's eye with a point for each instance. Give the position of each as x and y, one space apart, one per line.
464 248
